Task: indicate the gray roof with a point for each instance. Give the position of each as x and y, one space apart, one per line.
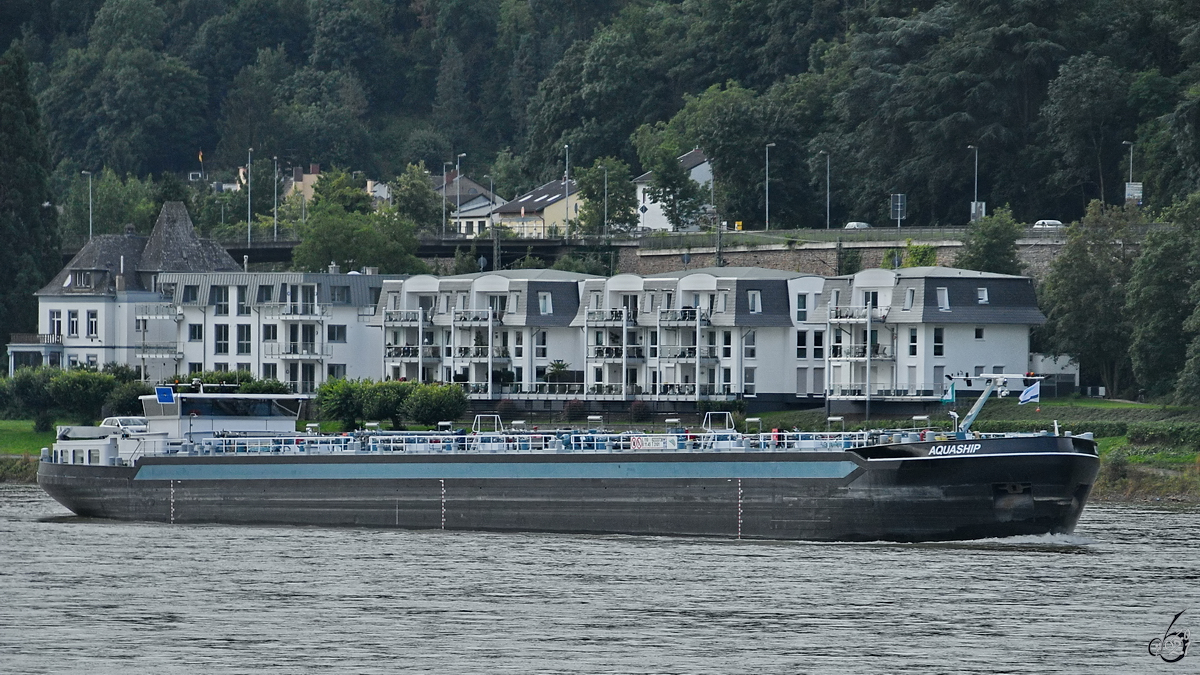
543 274
101 254
733 272
360 285
174 246
690 160
537 200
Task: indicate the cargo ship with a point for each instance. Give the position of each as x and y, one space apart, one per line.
238 459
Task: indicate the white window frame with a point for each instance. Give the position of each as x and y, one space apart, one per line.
943 298
754 301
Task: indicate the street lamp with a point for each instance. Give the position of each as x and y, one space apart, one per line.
444 166
826 187
458 187
491 201
89 175
767 184
606 200
249 168
976 149
567 192
1130 144
276 208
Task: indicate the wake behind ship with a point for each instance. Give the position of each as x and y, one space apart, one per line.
220 458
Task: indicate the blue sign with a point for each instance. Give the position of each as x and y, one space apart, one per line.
165 394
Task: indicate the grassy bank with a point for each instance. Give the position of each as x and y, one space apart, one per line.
17 437
16 469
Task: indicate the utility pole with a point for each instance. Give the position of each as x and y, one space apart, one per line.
823 152
767 184
458 186
606 200
89 175
567 193
249 167
276 208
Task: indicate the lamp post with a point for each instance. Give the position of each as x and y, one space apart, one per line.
567 192
826 187
458 186
767 184
491 201
444 166
89 175
976 149
1130 144
249 170
276 207
606 200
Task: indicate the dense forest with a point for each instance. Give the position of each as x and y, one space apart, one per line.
1048 91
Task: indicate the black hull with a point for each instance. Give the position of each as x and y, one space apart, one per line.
818 496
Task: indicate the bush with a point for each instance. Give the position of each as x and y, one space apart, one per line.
123 373
82 393
341 400
31 389
385 401
639 411
264 387
429 404
1176 434
124 399
574 410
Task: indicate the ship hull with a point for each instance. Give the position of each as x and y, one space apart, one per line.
826 496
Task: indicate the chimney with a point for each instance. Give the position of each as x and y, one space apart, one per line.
333 267
298 174
314 169
245 263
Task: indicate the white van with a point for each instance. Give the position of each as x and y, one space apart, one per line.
1047 224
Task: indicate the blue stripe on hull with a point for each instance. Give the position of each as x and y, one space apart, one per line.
462 470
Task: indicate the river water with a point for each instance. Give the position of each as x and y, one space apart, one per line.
103 597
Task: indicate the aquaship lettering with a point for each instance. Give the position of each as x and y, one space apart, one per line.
958 449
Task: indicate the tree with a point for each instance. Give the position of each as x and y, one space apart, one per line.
385 400
1084 293
451 106
414 198
338 186
680 197
429 404
596 186
342 400
351 239
28 224
115 203
125 399
991 244
81 392
249 113
31 389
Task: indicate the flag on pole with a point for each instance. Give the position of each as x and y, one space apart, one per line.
1032 394
201 156
948 397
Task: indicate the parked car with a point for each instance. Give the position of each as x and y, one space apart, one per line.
129 425
857 225
1047 224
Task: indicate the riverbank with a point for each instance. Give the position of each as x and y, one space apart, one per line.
18 469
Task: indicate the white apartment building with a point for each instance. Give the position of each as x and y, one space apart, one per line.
895 335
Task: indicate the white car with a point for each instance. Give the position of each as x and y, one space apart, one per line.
857 225
129 425
1047 224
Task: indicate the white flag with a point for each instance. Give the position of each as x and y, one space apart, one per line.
1032 394
948 397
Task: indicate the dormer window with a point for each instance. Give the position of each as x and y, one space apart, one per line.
754 299
190 293
943 298
982 294
910 296
81 279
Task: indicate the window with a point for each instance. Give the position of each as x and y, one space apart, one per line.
81 279
667 300
801 344
599 373
243 339
835 297
337 333
92 360
220 300
243 367
748 381
73 361
939 342
266 293
221 367
748 345
270 371
514 298
191 293
221 346
540 345
445 303
545 303
595 301
649 303
912 341
72 322
243 301
870 298
910 296
141 325
337 371
724 307
518 344
943 296
978 370
727 344
754 299
270 332
93 323
56 322
981 294
997 370
339 295
195 332
818 344
654 344
194 368
979 332
802 307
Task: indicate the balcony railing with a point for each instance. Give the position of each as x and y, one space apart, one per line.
476 315
922 390
846 313
35 339
860 351
298 350
158 350
617 352
404 316
686 352
481 352
686 315
611 316
413 352
297 310
158 310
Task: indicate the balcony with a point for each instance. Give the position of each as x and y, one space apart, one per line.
686 353
35 339
498 353
685 317
604 353
611 317
297 311
298 351
925 391
157 350
413 352
882 352
857 314
158 310
476 316
405 317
